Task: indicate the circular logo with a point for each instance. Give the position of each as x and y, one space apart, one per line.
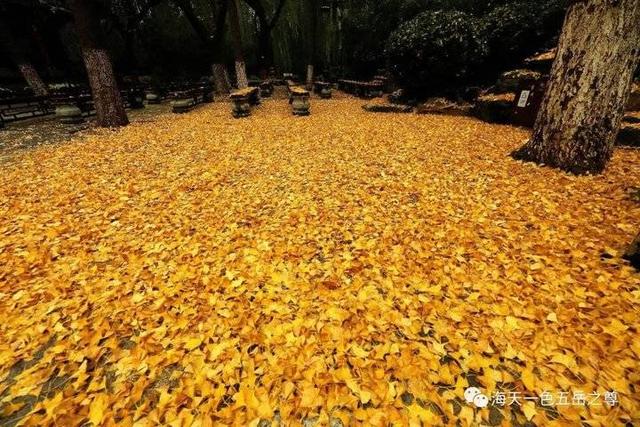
470 393
481 401
473 395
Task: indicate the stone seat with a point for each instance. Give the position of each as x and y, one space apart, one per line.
299 100
71 109
323 89
368 90
243 100
186 99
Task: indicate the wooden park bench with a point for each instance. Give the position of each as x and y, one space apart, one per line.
12 109
323 89
369 90
243 100
299 99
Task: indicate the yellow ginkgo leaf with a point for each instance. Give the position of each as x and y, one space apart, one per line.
192 343
97 408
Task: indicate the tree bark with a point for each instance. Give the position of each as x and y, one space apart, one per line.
33 79
221 78
107 99
589 84
236 35
108 102
309 77
220 74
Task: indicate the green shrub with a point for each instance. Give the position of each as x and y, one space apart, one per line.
436 51
518 29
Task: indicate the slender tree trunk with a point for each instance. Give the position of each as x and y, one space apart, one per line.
309 76
590 81
265 49
108 102
221 78
312 56
236 35
33 79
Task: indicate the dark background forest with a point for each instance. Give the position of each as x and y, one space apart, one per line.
428 45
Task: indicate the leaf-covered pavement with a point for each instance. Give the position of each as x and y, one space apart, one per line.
346 268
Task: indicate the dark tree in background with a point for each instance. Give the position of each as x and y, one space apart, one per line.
211 40
188 39
588 88
127 16
236 39
17 51
265 29
108 102
313 9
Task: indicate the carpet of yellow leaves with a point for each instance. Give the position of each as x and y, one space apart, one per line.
345 268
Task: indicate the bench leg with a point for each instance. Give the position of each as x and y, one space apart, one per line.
300 105
241 108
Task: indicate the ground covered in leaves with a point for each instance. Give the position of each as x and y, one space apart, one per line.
24 134
346 268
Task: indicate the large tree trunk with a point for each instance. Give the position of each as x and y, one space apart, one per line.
108 102
590 81
236 35
107 99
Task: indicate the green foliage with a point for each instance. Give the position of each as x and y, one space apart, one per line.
436 51
431 44
366 27
169 48
517 29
